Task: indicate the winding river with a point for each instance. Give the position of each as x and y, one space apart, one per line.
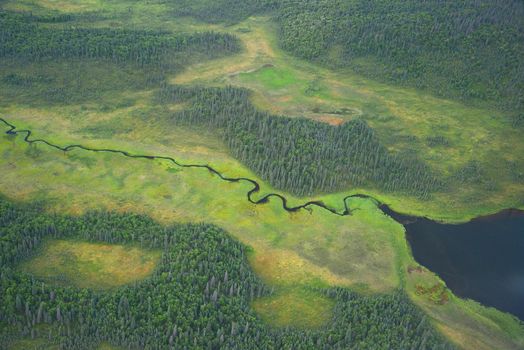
482 259
255 189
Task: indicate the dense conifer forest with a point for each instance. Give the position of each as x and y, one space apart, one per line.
300 155
466 49
22 38
199 296
229 11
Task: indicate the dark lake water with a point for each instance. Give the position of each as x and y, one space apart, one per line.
482 260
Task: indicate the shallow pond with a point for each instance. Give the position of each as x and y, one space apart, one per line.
482 260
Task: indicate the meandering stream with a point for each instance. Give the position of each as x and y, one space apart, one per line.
255 189
482 259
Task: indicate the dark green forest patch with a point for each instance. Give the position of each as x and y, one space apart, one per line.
300 155
468 50
218 11
46 66
199 295
24 39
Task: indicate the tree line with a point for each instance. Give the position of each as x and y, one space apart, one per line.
217 11
299 155
64 64
467 49
198 297
21 37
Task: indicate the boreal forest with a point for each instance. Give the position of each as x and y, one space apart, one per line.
261 174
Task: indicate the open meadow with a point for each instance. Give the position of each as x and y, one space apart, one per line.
87 265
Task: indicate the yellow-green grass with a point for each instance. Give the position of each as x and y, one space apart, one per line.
272 78
90 265
294 307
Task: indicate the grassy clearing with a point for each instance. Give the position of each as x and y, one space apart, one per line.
90 265
271 78
295 307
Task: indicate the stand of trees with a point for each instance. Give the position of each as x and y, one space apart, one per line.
67 65
216 11
467 49
198 297
300 155
22 38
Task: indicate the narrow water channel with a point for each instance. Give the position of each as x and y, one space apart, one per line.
482 259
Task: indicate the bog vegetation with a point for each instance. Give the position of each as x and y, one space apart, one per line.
198 297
